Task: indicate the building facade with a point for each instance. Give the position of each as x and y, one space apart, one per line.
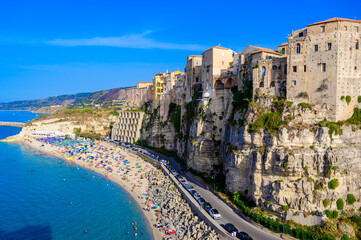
324 66
214 60
127 126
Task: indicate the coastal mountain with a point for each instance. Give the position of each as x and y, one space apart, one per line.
99 96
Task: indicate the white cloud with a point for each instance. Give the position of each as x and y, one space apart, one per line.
140 41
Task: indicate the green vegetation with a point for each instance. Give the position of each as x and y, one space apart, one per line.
342 98
271 121
278 227
348 99
286 208
350 199
345 237
303 95
340 204
334 128
355 118
331 214
333 184
312 147
326 203
174 112
359 99
114 113
305 105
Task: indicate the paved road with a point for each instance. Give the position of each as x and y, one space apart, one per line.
228 214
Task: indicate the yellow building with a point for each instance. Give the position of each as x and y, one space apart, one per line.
163 82
159 86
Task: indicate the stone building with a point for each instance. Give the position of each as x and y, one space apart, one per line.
193 71
324 62
256 71
214 60
140 94
269 74
127 127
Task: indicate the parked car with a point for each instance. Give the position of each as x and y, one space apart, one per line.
201 201
192 191
196 196
182 181
207 206
174 172
188 186
214 213
243 236
231 229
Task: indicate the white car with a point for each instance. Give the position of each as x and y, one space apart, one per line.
196 196
215 214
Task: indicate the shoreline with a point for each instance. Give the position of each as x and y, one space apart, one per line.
136 195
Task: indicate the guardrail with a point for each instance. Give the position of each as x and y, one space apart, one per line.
197 209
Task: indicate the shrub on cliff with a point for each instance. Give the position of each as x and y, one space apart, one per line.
326 203
340 204
333 184
304 105
350 199
271 121
355 118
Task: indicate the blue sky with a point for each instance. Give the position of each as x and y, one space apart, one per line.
52 48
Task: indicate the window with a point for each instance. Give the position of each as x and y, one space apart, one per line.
222 62
300 34
283 51
345 28
298 48
316 48
322 28
196 79
294 68
356 28
263 71
294 82
274 67
304 68
197 63
329 46
206 54
323 67
285 69
222 53
357 44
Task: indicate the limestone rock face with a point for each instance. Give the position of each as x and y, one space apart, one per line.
294 169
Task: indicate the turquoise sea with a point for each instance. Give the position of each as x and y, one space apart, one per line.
36 203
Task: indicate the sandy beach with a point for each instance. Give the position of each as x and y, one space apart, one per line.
115 164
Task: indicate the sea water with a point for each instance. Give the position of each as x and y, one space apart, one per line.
41 197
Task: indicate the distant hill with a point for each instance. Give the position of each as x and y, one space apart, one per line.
100 96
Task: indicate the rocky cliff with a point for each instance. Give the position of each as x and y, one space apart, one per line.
66 122
278 155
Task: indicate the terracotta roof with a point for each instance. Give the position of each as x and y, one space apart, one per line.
195 56
283 44
335 19
265 50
